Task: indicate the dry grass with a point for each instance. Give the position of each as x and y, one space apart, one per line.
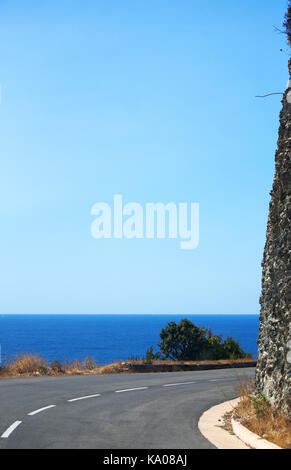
88 366
110 368
257 414
26 364
32 365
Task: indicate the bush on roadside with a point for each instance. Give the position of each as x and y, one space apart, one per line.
56 367
90 363
28 364
187 342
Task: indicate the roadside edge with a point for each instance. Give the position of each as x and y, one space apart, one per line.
250 438
211 426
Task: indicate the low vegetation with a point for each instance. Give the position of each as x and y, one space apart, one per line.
33 365
258 415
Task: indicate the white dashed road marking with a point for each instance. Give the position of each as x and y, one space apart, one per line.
40 410
220 380
179 383
131 389
84 398
10 429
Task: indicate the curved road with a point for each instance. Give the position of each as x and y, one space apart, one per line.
118 411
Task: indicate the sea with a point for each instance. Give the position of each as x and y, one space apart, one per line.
108 338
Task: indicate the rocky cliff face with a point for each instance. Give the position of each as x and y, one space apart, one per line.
273 374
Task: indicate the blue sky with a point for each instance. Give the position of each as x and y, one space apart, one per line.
154 100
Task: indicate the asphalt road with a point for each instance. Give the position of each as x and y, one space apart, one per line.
118 411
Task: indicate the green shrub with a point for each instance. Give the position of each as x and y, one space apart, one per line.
261 405
183 341
150 356
187 342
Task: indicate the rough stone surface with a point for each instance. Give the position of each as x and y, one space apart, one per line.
273 373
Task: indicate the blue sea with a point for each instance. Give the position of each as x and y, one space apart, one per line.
108 338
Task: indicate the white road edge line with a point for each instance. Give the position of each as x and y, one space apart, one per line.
84 398
131 389
10 429
179 383
40 410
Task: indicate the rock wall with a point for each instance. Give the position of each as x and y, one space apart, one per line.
273 373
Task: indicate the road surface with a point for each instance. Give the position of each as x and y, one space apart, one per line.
117 411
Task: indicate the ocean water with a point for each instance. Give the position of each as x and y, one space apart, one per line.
108 338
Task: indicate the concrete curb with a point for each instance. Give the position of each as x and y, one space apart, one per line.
211 427
250 438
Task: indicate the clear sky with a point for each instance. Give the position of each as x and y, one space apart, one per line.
154 100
